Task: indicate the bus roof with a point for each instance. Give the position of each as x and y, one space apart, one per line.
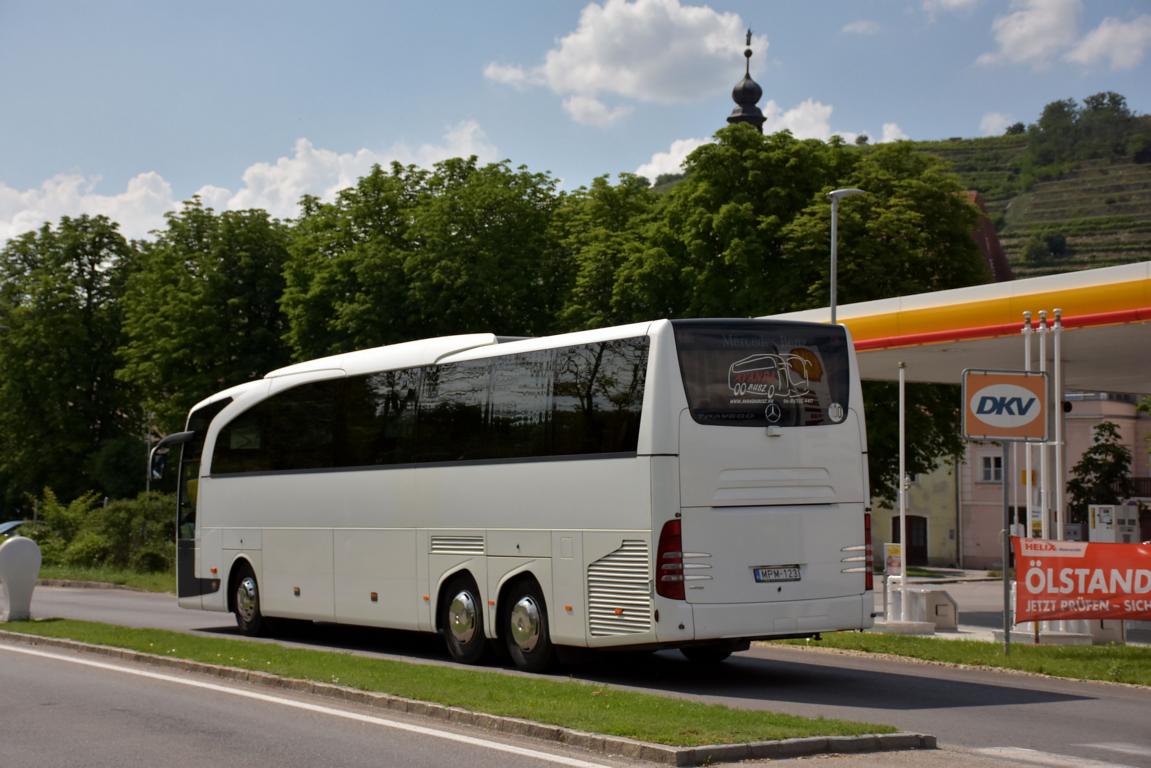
403 355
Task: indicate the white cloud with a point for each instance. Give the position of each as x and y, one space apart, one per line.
862 27
994 123
652 51
1122 43
892 132
138 209
589 110
515 76
275 187
935 7
1036 32
810 120
670 161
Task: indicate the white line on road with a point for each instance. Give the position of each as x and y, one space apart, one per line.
432 732
1051 759
1140 750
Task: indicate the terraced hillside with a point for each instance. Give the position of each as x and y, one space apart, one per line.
1098 212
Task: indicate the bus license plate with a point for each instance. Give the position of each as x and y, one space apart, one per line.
765 574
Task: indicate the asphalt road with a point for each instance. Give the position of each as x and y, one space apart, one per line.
60 710
990 715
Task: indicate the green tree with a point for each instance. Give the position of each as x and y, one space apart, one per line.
602 229
61 407
202 308
1105 123
345 286
1052 140
1102 475
484 255
412 253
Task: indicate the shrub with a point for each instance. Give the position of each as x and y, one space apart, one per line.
134 533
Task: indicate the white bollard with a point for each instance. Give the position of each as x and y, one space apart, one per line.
19 568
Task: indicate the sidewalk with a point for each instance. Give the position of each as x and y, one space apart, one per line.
979 598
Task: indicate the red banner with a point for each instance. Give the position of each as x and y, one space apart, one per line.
1078 580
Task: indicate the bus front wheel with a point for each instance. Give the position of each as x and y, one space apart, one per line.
525 628
246 596
462 621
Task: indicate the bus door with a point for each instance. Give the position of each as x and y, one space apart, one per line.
190 588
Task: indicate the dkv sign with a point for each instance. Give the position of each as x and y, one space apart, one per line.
1005 405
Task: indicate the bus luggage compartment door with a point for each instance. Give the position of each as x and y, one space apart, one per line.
766 515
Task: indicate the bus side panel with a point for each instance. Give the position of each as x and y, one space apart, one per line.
568 627
375 574
297 581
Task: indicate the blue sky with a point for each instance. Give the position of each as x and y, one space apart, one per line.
125 108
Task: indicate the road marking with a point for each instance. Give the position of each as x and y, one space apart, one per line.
1046 758
320 709
1140 750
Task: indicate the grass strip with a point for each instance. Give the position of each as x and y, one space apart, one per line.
567 703
1111 663
147 582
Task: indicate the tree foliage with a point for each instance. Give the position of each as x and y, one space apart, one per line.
1102 475
201 310
410 253
215 299
66 421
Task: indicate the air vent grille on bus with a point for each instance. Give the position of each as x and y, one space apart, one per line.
619 591
457 545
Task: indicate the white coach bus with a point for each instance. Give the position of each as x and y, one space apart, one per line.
691 484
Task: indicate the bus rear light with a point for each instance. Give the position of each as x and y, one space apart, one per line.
869 577
669 562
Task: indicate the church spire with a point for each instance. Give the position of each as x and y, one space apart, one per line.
745 94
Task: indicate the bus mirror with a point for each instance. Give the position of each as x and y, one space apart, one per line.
158 460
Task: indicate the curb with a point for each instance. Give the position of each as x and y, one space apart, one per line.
591 742
77 584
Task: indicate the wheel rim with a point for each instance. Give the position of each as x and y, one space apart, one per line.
526 623
462 617
247 599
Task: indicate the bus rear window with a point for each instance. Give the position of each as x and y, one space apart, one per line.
746 373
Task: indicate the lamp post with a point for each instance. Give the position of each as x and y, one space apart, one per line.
835 195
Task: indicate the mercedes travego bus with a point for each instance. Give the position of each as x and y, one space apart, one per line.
690 484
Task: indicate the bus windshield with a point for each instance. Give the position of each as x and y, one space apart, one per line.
761 373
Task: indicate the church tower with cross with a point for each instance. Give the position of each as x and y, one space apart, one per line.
745 94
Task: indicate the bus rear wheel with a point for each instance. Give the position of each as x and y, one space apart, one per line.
525 628
462 621
246 603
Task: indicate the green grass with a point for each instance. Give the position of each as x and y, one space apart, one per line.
147 582
1112 663
567 703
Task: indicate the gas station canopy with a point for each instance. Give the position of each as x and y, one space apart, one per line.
1105 344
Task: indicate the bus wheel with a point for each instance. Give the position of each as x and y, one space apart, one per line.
706 654
247 602
462 621
525 628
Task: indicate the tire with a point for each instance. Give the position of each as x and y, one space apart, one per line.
525 629
462 621
706 654
246 603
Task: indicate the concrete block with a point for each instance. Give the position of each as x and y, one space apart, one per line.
19 568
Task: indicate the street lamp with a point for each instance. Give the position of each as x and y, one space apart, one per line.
835 195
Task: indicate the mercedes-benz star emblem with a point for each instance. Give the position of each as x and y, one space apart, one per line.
772 412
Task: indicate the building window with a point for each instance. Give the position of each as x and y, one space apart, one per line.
992 469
